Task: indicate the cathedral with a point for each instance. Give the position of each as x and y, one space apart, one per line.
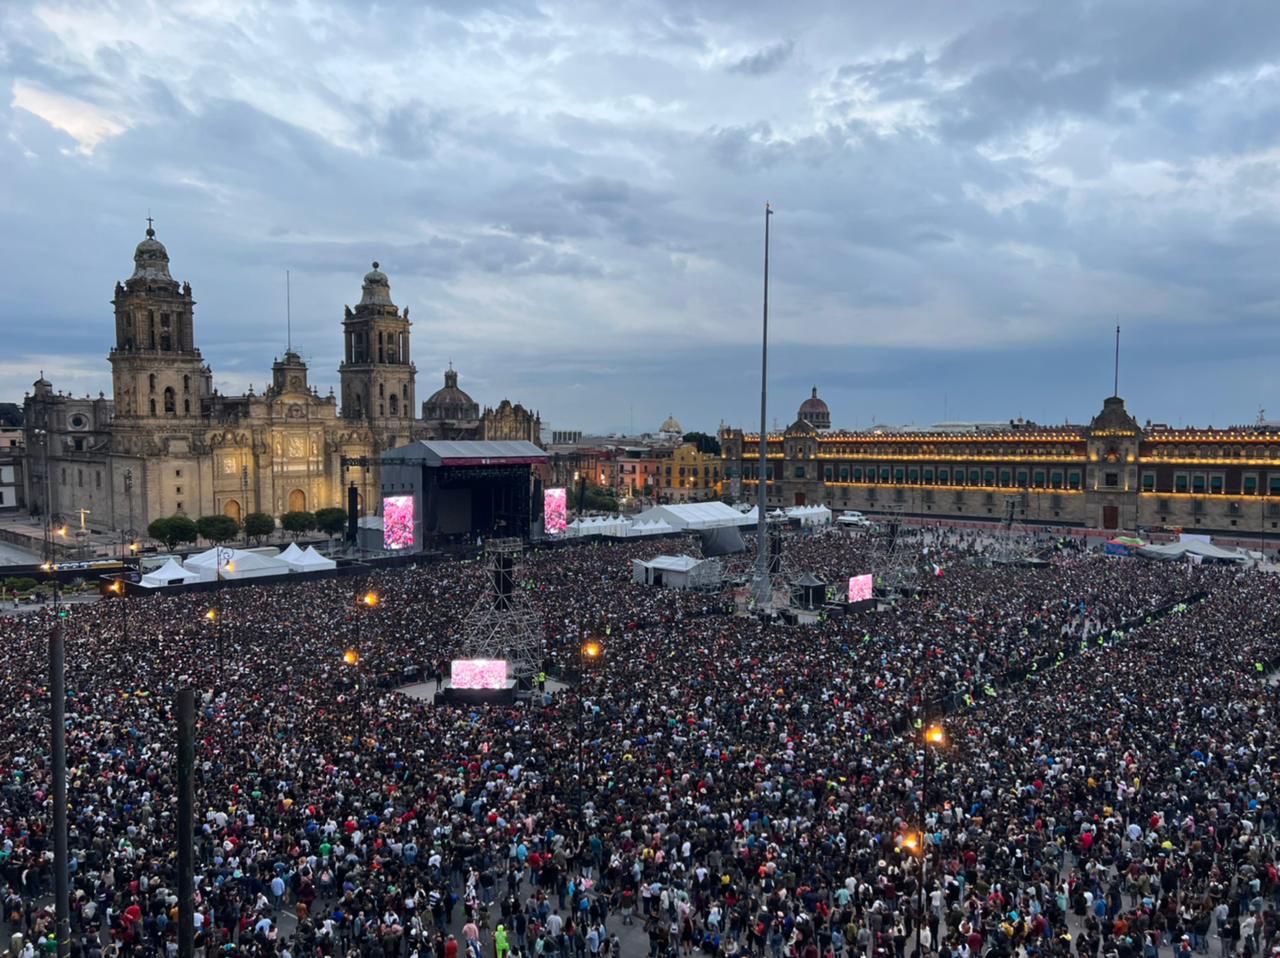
168 443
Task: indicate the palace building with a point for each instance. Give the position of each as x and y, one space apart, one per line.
168 443
1109 474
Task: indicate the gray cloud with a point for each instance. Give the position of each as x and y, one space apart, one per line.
569 197
765 60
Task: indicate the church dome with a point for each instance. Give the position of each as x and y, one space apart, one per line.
672 425
376 287
151 260
450 402
815 412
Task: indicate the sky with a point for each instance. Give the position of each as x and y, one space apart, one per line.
569 197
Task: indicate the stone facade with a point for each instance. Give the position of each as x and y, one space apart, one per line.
1111 474
170 444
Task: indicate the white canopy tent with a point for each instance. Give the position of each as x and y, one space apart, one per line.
676 572
236 564
686 516
171 573
307 560
810 515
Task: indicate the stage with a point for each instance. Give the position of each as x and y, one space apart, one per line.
426 692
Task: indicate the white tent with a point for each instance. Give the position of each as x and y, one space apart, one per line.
1192 547
236 564
810 515
171 573
697 515
650 527
675 572
291 554
306 560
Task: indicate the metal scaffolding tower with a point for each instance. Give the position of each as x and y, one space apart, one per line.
502 624
895 565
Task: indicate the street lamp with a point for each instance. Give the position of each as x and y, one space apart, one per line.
589 655
934 736
117 589
351 657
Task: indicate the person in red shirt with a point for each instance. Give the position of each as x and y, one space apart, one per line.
451 947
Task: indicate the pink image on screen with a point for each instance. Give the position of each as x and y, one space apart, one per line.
555 511
478 673
397 522
861 587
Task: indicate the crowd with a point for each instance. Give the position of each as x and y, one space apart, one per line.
717 783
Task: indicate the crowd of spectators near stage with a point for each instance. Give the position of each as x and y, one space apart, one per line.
1103 787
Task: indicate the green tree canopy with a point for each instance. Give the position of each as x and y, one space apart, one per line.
331 520
259 525
172 531
708 445
217 529
297 523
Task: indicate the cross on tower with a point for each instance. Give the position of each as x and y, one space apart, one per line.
149 222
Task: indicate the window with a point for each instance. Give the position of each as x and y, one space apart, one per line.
179 507
944 476
857 473
1073 479
186 384
1055 478
1197 482
898 474
97 480
884 473
1273 484
151 382
928 477
1216 483
1037 479
1148 482
1111 479
78 442
828 472
913 476
177 473
170 406
1023 477
844 473
1180 482
799 473
1006 477
177 490
395 404
79 477
989 477
186 407
1250 485
153 407
63 478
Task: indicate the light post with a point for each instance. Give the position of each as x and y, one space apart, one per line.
351 657
117 589
244 501
934 736
589 655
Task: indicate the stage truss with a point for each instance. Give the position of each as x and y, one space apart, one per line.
1016 541
894 564
782 575
502 624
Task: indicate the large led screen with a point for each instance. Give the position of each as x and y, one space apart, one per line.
861 587
397 522
478 673
555 511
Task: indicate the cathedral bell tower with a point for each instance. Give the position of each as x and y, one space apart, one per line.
156 370
377 375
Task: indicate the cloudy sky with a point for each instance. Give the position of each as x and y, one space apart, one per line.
569 197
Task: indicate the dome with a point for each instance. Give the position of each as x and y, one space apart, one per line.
377 288
151 260
815 412
450 402
672 425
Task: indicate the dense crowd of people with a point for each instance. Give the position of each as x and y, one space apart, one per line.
1101 785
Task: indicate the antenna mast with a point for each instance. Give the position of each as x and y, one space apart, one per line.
1116 391
288 313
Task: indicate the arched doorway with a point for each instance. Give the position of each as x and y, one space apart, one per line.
297 501
232 509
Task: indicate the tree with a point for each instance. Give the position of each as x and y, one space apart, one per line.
217 529
298 523
331 520
259 525
708 445
172 531
598 499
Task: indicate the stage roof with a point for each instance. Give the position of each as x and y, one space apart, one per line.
443 452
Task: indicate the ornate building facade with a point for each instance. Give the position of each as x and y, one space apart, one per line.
168 443
1111 474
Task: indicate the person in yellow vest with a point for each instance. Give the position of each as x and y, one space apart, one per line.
500 946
